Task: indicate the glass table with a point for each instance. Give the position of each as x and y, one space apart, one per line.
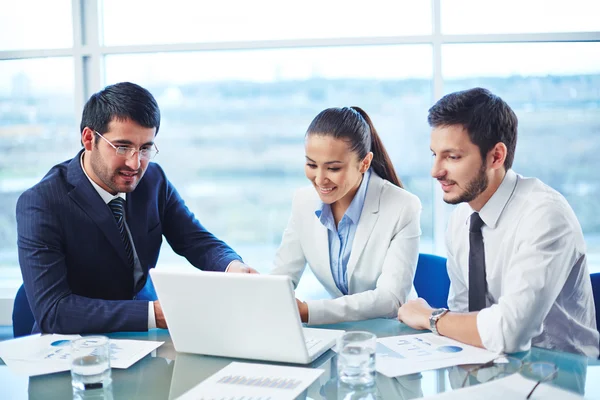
166 374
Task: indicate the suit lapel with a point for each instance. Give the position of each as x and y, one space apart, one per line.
319 240
321 246
137 220
86 197
368 219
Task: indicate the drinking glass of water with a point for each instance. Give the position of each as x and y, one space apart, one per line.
356 358
90 363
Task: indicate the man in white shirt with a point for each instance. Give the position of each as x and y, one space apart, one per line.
516 253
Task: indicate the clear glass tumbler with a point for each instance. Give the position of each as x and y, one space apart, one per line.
90 363
356 358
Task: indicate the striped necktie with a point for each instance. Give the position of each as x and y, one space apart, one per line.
117 206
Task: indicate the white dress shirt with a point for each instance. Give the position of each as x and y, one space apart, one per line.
108 197
539 288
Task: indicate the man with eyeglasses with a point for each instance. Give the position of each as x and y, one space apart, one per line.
91 229
516 252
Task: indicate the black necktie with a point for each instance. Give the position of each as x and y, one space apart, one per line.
477 282
117 206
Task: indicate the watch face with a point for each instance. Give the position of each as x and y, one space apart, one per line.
434 317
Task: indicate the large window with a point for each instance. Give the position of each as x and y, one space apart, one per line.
37 130
238 83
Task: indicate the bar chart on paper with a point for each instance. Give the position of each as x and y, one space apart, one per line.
265 382
244 381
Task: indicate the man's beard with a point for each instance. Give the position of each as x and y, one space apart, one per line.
474 188
107 176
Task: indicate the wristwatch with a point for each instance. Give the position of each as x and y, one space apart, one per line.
433 319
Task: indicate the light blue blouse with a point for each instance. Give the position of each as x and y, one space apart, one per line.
341 238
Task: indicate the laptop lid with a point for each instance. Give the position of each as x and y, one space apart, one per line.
232 315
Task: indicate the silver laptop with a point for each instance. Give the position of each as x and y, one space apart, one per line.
237 315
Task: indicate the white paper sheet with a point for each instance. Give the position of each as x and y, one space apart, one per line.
246 381
47 354
409 354
512 387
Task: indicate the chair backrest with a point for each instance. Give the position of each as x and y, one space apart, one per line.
431 280
596 291
22 316
148 292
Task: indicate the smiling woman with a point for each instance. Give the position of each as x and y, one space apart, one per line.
363 244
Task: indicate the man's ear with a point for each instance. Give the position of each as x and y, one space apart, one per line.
497 156
87 138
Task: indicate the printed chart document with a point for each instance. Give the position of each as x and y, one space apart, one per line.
514 386
46 354
409 354
246 381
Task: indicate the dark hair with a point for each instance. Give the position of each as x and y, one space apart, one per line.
353 125
486 117
121 101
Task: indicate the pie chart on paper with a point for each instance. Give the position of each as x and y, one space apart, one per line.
449 349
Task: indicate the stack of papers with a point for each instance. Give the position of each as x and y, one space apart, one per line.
409 354
46 354
239 381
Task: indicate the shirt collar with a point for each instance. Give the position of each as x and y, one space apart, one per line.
107 197
491 211
356 205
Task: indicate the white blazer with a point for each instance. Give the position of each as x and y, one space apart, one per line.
382 262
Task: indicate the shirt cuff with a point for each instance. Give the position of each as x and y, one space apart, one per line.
485 322
493 336
231 262
151 317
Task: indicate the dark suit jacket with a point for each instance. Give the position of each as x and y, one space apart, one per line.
72 257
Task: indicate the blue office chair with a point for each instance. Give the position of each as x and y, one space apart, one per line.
596 291
431 280
22 316
148 292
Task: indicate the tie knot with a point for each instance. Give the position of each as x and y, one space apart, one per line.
117 206
476 223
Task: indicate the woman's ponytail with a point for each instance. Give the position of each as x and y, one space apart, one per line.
381 164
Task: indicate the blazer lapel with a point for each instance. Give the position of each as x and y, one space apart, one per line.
86 197
368 219
321 265
321 246
137 220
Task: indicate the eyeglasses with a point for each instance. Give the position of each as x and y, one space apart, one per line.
146 153
500 367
